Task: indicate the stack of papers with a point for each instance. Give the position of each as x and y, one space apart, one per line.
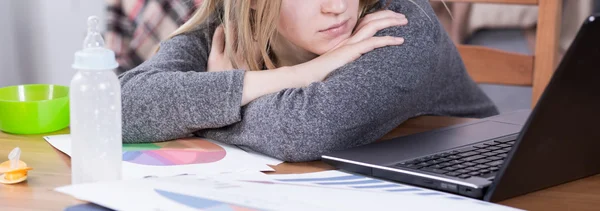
202 174
330 190
194 156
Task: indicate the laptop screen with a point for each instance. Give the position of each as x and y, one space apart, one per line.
561 140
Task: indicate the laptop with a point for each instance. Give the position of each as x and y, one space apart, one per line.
507 155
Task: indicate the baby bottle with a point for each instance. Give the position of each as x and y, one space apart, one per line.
95 112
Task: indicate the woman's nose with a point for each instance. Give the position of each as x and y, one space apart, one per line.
334 6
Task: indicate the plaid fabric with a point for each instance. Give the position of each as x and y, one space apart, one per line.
136 27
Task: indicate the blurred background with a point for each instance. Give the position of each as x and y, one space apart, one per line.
39 37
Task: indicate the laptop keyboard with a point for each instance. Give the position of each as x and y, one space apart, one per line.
481 160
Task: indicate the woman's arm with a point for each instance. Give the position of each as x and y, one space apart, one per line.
256 83
171 95
365 99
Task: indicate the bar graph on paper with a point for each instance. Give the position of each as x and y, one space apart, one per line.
341 180
201 203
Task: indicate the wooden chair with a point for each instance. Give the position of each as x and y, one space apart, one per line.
491 66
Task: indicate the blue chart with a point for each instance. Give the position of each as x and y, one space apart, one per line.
355 182
343 180
201 203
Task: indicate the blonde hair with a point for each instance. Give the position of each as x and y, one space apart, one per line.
249 28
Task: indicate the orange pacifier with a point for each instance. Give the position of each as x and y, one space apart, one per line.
14 170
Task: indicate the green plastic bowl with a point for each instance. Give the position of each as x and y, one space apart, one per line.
34 108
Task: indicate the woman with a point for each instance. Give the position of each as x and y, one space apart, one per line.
336 75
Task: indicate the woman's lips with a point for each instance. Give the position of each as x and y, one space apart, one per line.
336 30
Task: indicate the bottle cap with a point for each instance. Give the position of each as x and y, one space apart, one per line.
94 56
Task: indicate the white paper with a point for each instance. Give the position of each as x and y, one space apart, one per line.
60 142
264 192
161 159
267 159
178 193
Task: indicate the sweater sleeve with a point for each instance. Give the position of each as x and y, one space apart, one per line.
356 104
171 95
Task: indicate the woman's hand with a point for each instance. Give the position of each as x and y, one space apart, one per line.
218 59
359 43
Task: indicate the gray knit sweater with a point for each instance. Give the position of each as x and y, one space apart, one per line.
171 95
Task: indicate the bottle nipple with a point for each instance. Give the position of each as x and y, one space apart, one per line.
13 161
14 157
94 55
93 38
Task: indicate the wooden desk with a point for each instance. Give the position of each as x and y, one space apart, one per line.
51 170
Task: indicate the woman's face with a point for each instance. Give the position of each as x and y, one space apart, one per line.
317 25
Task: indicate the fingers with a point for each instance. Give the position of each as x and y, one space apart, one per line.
349 53
376 25
217 60
378 15
218 42
377 42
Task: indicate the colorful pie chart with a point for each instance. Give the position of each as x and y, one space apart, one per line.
178 152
